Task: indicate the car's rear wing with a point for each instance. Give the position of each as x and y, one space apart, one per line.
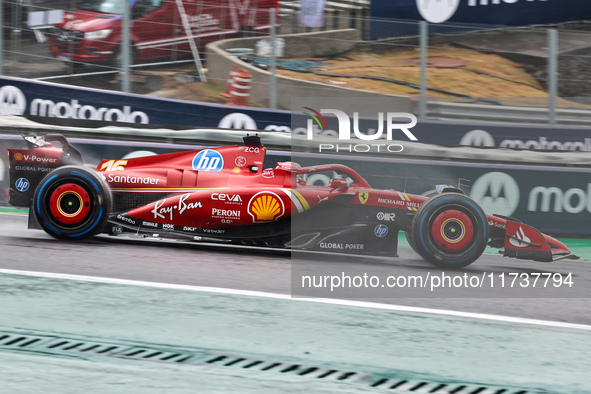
28 166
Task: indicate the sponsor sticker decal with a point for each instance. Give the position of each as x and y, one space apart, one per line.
22 184
265 207
381 230
208 160
363 197
240 161
521 240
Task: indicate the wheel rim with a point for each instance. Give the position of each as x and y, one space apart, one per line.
69 204
452 231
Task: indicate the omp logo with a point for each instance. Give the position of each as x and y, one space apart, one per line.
22 184
208 160
477 138
553 199
437 11
12 101
520 240
381 230
386 216
496 192
237 120
265 207
73 110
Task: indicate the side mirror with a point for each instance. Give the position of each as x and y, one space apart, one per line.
338 183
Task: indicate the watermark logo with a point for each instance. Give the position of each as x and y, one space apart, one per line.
437 11
12 101
208 160
496 192
345 125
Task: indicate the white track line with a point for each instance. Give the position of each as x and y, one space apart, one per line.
250 293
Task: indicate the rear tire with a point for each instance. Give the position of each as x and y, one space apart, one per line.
72 203
450 231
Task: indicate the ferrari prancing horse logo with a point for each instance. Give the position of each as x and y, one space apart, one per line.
363 197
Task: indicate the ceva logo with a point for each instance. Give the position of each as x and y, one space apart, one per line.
496 192
208 160
12 101
437 11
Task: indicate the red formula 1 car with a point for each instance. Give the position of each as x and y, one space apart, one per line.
225 195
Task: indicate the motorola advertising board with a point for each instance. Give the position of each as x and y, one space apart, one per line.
476 12
72 106
65 105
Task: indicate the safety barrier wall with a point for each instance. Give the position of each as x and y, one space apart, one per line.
73 106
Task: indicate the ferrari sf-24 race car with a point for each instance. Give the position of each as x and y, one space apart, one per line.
224 195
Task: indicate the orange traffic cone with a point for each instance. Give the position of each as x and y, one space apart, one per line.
233 72
240 90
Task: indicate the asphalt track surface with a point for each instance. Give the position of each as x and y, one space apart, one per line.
259 270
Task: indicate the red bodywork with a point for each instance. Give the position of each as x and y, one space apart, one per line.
224 194
241 193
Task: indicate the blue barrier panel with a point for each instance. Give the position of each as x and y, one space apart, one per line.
473 12
74 106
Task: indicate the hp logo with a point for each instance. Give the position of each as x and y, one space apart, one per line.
208 160
381 230
22 184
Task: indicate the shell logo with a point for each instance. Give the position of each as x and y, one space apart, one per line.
18 156
265 207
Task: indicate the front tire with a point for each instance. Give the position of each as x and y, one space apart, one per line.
72 203
450 231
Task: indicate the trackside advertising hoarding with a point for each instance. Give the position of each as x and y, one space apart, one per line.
72 106
476 12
